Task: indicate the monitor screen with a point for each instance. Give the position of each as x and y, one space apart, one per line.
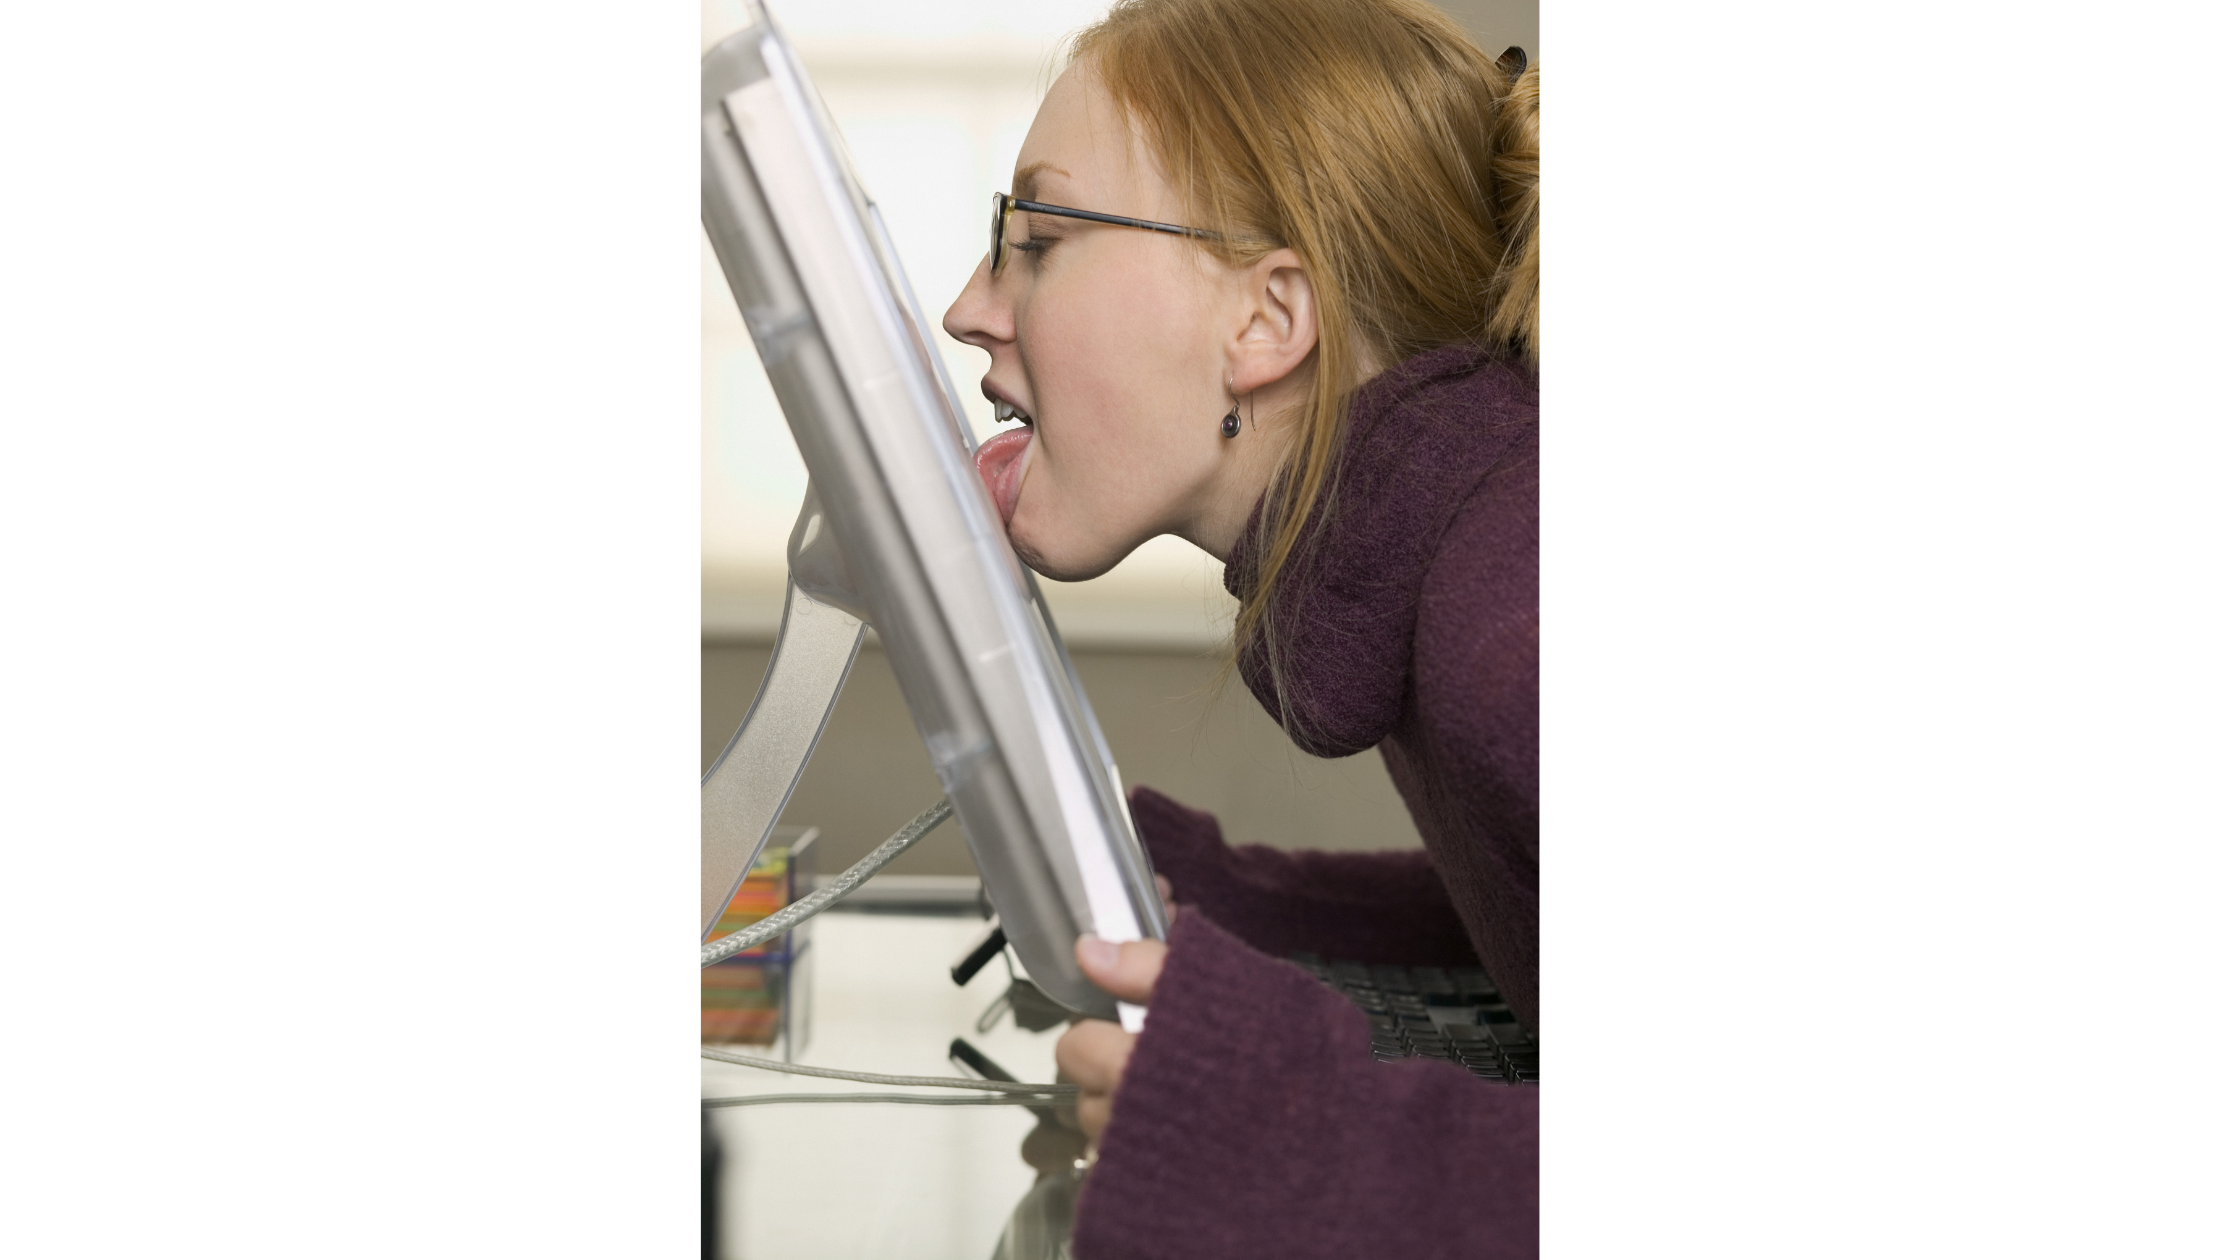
921 553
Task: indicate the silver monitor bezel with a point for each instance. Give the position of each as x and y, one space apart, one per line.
986 676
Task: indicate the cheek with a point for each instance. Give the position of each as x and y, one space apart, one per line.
1116 377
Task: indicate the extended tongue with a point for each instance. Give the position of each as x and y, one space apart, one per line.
1002 462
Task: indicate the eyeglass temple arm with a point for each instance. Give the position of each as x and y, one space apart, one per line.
1068 212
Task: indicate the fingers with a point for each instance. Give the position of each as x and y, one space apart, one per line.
1166 895
1095 1112
1052 1145
1094 1055
1094 1052
1126 971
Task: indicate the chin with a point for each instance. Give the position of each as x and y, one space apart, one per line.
1062 566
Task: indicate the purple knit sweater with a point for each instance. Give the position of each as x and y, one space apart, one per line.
1251 1120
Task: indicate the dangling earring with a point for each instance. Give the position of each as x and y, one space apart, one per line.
1230 425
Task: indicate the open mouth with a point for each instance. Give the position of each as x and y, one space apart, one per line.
1003 459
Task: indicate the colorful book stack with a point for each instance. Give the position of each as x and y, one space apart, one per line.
760 997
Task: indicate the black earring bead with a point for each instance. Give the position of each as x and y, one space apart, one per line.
1230 424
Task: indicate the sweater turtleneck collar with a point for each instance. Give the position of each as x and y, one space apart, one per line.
1419 440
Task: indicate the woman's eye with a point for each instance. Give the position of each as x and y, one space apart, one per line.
1032 247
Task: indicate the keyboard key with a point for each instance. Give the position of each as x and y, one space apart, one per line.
1447 1015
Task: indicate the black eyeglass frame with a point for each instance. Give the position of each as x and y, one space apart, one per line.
1006 203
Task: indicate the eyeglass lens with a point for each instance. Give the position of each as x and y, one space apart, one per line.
995 233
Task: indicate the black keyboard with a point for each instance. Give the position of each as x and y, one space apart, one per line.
1449 1013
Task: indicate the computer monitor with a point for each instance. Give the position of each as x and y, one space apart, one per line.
899 530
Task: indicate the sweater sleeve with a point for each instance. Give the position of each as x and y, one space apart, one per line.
1388 907
1251 1121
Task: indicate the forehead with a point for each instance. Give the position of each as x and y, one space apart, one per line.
1082 152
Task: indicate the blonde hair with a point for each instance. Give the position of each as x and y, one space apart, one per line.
1376 140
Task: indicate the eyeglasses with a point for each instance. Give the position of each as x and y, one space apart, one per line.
1006 203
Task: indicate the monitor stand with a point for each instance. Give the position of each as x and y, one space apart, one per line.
746 789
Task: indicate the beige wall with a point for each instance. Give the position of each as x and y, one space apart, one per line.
1223 754
1500 23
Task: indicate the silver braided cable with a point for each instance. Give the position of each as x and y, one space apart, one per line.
1065 1093
922 1100
783 921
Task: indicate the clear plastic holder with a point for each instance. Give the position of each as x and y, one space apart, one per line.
762 996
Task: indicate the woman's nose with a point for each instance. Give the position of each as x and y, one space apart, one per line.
976 318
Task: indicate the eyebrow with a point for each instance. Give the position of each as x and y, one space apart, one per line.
1028 178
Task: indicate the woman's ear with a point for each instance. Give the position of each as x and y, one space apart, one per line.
1279 330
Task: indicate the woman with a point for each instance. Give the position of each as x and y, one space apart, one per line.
1320 365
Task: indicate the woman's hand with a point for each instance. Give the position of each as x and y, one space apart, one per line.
1094 1053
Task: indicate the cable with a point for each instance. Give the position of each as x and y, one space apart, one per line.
1006 1093
923 1100
780 923
1063 1092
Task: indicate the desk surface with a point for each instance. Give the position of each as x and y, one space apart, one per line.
838 1181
